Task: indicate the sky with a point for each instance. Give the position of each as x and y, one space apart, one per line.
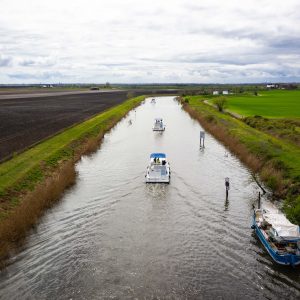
138 41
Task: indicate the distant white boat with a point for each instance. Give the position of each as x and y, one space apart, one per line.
158 170
158 125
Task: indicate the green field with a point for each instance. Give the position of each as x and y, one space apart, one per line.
270 104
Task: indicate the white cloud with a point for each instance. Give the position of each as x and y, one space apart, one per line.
149 41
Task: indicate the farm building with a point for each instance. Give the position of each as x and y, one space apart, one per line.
272 86
215 92
225 92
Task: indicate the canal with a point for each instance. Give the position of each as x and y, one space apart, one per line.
113 237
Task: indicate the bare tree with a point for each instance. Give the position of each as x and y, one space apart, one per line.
220 102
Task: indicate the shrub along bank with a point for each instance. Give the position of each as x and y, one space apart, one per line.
33 180
275 160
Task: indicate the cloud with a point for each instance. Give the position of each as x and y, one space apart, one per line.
36 61
142 41
5 61
289 44
35 76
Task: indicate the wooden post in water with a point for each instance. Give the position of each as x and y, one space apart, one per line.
258 201
227 186
202 137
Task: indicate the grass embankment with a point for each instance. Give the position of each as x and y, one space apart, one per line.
287 129
33 180
275 160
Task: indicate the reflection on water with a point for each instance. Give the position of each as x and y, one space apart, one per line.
113 236
226 205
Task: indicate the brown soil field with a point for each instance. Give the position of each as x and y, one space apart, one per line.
28 120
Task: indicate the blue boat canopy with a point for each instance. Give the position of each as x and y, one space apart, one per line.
158 155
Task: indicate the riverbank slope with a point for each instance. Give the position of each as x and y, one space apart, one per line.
275 160
33 180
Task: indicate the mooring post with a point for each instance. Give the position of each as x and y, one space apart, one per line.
227 186
202 137
258 202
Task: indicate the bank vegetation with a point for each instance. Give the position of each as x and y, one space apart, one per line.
275 160
32 181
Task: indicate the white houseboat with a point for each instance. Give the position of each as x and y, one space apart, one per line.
158 170
158 125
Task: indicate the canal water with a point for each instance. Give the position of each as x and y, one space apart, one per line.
114 237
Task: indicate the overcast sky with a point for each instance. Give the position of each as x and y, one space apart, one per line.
200 41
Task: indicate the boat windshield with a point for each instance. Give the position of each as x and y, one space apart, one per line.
158 155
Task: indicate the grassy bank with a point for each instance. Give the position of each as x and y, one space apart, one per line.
287 129
33 180
275 160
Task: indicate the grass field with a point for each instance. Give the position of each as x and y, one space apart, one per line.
270 104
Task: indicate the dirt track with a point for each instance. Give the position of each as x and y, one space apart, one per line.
25 121
31 94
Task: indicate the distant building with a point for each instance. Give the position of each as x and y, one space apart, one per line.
225 92
272 86
215 92
287 86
